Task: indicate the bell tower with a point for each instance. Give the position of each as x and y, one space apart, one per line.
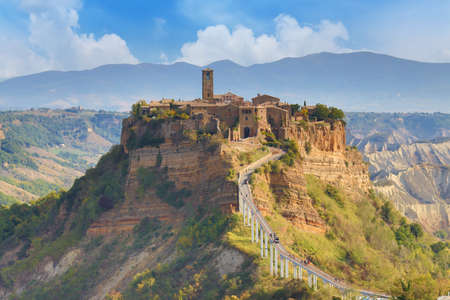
207 84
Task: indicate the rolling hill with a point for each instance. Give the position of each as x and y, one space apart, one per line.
359 81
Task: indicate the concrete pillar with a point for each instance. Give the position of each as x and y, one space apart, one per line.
286 269
315 281
271 257
276 261
243 210
294 269
256 229
265 248
240 200
309 280
253 226
248 214
262 240
300 272
281 267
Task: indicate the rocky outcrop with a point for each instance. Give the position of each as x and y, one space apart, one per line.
323 147
422 193
197 166
416 178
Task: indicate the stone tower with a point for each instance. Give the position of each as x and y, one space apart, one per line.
207 84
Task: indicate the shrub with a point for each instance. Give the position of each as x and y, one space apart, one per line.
416 230
333 193
438 246
308 147
387 213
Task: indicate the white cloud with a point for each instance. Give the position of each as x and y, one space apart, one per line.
54 43
243 47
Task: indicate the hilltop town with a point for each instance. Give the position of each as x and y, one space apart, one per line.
234 117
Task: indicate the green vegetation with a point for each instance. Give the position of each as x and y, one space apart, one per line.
22 224
7 199
158 179
156 114
367 244
246 158
324 113
145 231
289 146
41 129
38 187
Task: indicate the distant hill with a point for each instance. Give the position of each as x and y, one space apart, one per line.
359 81
372 132
45 150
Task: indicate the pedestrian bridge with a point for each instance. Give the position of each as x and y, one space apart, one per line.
282 263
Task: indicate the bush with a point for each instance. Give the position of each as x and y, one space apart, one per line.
387 213
157 178
438 247
416 230
333 193
307 147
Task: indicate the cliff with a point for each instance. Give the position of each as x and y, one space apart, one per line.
146 222
323 154
196 167
416 178
326 155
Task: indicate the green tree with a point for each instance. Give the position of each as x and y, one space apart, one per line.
336 114
416 230
321 112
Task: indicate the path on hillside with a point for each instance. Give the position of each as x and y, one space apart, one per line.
247 199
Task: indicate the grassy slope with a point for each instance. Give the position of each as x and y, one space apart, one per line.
360 246
45 150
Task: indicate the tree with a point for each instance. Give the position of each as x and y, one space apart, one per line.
387 212
136 108
295 108
321 112
336 114
416 230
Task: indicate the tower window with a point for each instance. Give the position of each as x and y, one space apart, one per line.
208 76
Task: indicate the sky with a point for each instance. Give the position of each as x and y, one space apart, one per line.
40 35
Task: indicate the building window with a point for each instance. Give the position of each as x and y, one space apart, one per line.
208 76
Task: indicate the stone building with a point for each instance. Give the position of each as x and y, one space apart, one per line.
240 118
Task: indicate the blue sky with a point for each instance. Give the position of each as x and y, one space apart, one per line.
38 35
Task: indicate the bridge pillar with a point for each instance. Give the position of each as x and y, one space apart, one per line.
276 261
309 279
300 272
256 229
248 214
240 200
262 240
294 268
271 257
265 249
315 282
287 267
281 267
253 226
243 210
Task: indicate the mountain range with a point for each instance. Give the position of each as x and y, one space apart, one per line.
358 81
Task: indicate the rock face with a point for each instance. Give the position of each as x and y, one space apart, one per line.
372 132
330 159
191 165
416 178
325 155
288 194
